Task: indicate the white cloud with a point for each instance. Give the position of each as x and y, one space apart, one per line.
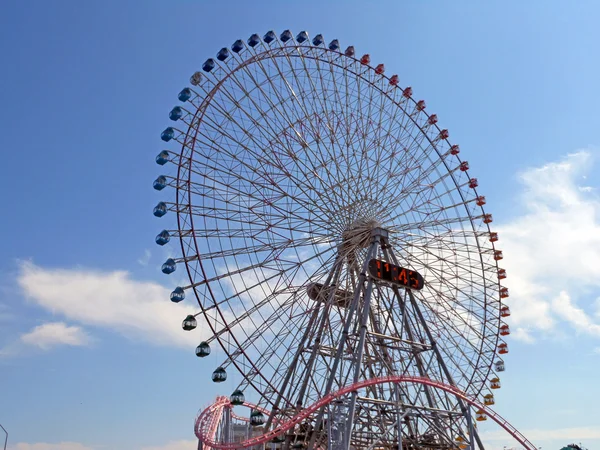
136 309
144 260
173 445
55 334
176 445
553 247
523 335
564 308
536 434
45 446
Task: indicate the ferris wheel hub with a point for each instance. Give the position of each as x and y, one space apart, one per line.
359 233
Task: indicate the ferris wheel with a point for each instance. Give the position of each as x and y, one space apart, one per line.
332 235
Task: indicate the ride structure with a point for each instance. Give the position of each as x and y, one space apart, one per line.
339 252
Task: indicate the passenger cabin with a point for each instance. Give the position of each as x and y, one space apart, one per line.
203 349
342 298
189 323
495 383
219 375
488 399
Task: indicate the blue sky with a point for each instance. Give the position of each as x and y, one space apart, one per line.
91 349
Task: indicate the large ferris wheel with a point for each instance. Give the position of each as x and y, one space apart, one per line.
338 249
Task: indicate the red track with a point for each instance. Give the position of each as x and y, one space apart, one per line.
208 421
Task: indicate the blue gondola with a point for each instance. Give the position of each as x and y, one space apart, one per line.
163 237
237 398
162 158
254 40
285 36
301 37
160 183
169 266
318 39
176 113
167 134
237 46
257 418
203 350
189 323
334 45
208 65
269 37
185 94
223 54
160 209
219 375
177 295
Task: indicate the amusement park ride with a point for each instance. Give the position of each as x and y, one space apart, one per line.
339 252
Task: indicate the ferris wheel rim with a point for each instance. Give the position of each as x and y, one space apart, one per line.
197 247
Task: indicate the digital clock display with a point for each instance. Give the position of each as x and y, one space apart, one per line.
394 274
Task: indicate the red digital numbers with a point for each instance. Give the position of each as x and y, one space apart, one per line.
394 274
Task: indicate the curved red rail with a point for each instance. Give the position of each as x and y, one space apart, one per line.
208 420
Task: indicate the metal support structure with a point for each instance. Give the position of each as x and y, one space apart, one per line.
358 358
358 314
349 320
377 235
389 255
464 409
471 431
227 426
364 330
6 438
337 437
331 279
400 417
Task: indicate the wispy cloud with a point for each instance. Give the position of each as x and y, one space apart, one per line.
136 309
46 446
46 337
55 334
552 250
563 306
549 434
145 259
523 335
175 445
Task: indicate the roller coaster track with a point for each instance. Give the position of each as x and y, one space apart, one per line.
208 420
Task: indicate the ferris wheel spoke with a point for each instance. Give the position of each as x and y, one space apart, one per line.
274 106
272 277
271 181
261 201
450 335
343 153
311 149
359 142
449 319
273 250
463 268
